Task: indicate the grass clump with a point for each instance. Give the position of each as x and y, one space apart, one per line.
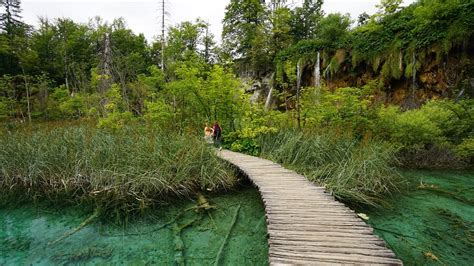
120 171
354 171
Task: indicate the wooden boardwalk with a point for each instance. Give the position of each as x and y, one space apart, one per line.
305 224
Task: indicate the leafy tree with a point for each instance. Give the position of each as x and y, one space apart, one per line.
184 39
388 7
305 19
333 30
76 52
13 37
188 40
243 19
10 19
281 29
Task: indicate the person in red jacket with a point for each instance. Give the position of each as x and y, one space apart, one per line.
217 134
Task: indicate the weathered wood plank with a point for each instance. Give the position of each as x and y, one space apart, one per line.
337 258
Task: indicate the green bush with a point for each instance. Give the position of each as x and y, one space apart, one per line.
411 128
6 108
433 136
158 113
246 140
344 108
466 149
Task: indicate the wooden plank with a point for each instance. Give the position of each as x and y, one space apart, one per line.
315 222
335 250
338 258
316 245
319 234
316 228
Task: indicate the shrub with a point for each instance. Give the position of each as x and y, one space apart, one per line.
6 107
427 137
347 108
246 140
454 119
466 149
158 113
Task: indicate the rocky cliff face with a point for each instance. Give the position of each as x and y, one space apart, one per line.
449 77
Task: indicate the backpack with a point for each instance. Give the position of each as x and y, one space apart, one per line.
217 131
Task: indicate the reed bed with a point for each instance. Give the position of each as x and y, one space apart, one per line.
357 172
119 171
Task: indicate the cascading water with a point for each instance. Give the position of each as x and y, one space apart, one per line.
268 102
413 84
317 77
317 72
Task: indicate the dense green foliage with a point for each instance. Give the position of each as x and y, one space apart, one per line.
437 135
121 171
391 41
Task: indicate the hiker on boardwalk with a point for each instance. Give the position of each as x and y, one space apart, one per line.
217 134
208 134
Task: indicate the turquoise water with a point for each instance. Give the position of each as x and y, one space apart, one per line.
433 222
175 234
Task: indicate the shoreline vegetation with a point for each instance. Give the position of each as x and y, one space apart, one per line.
118 171
355 172
128 169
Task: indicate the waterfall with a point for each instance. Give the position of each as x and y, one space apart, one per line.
413 84
268 102
317 72
269 99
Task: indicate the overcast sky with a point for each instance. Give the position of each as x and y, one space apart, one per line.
143 16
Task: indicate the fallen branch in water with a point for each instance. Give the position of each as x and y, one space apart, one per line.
219 254
202 205
86 222
178 241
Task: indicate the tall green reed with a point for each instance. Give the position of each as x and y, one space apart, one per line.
357 172
121 171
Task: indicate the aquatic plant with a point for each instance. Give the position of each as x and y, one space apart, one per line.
357 172
119 171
